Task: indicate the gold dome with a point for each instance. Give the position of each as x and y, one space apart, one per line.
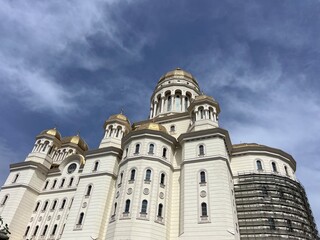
151 126
178 72
77 140
119 116
52 132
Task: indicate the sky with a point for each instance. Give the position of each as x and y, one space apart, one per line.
72 64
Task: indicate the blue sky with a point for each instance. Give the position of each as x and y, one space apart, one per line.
72 64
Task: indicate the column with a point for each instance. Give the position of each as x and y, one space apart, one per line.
162 104
155 109
151 113
183 103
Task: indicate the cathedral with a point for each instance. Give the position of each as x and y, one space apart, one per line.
174 176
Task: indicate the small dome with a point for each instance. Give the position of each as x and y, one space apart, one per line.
178 72
76 140
52 132
119 116
151 126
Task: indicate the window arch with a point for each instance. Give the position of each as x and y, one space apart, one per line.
121 178
127 206
62 182
63 204
151 148
172 128
89 189
162 179
148 175
46 185
37 207
144 206
15 178
132 174
203 177
54 229
27 231
160 207
286 170
71 181
54 204
44 230
274 167
45 205
5 199
204 211
80 220
46 143
164 152
115 208
54 184
36 230
137 149
259 165
96 165
201 150
127 150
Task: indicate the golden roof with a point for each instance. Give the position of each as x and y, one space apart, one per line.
52 132
119 116
76 140
151 126
178 72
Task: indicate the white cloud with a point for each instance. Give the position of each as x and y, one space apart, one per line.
39 39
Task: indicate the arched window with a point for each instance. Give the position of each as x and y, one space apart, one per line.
127 207
172 128
160 207
204 212
137 150
71 181
110 131
45 205
15 178
148 175
45 146
201 150
44 230
63 204
259 165
164 152
286 170
202 177
62 182
96 165
54 204
144 206
80 220
46 185
115 208
178 103
162 178
132 175
37 207
35 230
54 184
151 149
88 193
118 131
127 150
169 103
274 166
121 177
289 224
186 103
4 199
54 229
27 231
201 113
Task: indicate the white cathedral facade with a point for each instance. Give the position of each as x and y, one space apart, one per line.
173 176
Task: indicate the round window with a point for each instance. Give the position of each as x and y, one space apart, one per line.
72 167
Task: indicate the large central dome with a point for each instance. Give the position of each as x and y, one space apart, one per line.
178 73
